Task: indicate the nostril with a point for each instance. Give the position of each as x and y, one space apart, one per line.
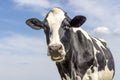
55 48
60 47
50 48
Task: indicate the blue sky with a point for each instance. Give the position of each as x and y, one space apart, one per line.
23 54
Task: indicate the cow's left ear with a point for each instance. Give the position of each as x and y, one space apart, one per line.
77 21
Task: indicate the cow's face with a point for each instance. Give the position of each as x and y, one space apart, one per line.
57 27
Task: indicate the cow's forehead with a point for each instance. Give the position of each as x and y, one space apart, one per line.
55 17
57 10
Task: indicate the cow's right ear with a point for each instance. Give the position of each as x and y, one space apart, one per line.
35 23
77 21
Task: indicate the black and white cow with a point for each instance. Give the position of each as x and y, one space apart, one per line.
78 56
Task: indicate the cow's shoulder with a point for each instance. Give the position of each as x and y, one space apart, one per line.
83 32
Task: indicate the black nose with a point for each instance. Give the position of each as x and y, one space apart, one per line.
55 48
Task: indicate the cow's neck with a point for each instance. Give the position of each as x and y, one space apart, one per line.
77 62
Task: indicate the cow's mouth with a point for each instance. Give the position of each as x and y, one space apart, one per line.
57 58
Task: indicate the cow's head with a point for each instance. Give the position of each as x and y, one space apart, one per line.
57 26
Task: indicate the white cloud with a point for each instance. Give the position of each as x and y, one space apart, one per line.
33 3
40 6
102 30
88 6
18 44
117 31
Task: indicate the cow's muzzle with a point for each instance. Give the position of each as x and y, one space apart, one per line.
56 51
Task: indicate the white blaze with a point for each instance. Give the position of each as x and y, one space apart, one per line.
55 18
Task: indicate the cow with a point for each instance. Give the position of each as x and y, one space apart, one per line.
78 56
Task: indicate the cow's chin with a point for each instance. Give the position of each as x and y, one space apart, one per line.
58 58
